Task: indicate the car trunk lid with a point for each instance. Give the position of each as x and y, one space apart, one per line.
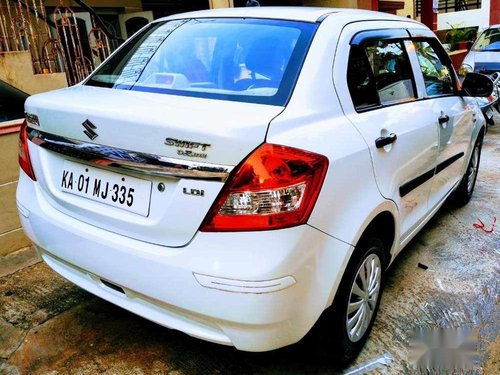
187 135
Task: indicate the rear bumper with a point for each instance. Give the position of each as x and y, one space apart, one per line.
255 290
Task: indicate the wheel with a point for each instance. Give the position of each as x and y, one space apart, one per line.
343 329
463 193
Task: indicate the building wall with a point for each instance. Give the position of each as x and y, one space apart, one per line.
17 70
465 18
220 3
129 5
332 3
12 237
364 4
408 9
359 4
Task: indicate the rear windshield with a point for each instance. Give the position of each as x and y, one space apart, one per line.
248 60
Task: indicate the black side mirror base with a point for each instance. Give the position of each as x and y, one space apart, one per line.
477 85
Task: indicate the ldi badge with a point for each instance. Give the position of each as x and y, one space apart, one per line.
195 192
189 145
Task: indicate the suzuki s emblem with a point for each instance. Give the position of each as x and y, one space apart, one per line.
89 129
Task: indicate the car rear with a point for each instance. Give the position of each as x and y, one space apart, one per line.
151 184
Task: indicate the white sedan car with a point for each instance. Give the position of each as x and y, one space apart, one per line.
235 173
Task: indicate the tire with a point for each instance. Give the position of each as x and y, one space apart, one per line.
333 342
462 195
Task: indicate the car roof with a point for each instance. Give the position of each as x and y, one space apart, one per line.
305 14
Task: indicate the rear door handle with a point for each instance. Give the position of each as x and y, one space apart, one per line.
443 119
384 141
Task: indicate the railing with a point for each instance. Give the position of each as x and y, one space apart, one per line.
55 40
447 6
24 27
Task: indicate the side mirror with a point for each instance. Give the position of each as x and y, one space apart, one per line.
478 85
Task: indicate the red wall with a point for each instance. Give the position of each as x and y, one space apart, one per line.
494 12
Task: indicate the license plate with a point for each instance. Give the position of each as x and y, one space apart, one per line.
489 112
114 189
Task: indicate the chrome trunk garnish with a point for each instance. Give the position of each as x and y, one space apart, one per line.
126 160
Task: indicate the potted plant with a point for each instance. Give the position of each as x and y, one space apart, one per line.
460 37
460 40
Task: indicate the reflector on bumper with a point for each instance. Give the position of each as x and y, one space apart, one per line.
241 286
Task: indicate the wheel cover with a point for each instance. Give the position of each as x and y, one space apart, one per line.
472 172
363 298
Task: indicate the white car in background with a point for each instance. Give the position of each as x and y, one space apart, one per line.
235 173
484 56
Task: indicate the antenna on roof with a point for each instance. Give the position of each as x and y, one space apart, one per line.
253 3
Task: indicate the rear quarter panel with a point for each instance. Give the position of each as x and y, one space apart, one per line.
313 120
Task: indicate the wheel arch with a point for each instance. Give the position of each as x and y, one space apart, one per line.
382 222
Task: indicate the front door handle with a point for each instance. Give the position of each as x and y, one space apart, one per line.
384 141
443 119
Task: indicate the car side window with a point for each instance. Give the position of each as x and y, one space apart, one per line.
379 73
436 73
392 71
360 79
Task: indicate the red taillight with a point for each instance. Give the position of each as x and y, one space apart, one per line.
275 187
24 154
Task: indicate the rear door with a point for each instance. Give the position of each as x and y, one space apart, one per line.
449 113
380 98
